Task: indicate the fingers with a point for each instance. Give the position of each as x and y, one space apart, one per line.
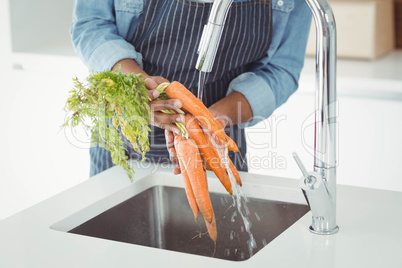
170 127
176 170
159 119
153 94
173 156
169 136
164 120
158 105
159 79
222 122
151 83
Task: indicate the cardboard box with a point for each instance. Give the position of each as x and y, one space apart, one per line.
398 23
365 28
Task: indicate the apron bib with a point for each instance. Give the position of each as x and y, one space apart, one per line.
168 36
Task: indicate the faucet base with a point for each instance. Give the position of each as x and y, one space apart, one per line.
324 232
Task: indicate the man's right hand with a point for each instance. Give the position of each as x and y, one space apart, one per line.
158 118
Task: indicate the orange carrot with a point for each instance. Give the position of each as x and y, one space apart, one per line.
211 227
218 146
231 166
232 145
192 163
207 166
193 105
187 184
195 132
235 172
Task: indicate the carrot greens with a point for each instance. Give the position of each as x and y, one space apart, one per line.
112 101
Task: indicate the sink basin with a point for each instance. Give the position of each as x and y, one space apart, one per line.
159 216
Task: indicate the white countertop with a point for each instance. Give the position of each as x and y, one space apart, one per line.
369 236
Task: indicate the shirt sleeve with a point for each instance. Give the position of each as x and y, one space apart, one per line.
272 80
95 35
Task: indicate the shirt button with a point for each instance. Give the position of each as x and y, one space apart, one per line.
280 3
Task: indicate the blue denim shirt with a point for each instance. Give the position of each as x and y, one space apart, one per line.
100 31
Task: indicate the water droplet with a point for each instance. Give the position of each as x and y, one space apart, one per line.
264 242
232 234
257 216
227 252
244 196
253 243
247 210
233 216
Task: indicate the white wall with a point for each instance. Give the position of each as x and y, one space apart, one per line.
5 32
37 159
369 127
41 25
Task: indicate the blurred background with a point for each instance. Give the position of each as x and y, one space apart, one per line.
38 159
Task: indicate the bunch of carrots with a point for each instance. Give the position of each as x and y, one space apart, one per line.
198 149
109 93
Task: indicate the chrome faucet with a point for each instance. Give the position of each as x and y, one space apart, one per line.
319 186
211 35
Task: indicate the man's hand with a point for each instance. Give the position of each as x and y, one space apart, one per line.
169 136
159 119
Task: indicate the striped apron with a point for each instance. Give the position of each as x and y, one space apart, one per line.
168 36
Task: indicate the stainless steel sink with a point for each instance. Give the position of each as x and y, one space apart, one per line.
160 217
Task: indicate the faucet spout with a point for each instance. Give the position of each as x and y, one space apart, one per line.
319 186
211 35
325 79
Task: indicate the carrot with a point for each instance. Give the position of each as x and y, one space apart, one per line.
187 185
235 172
194 106
192 163
207 166
231 165
195 132
211 227
232 145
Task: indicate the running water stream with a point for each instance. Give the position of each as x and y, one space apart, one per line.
201 82
240 200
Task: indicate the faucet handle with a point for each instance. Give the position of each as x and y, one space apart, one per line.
302 168
310 180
